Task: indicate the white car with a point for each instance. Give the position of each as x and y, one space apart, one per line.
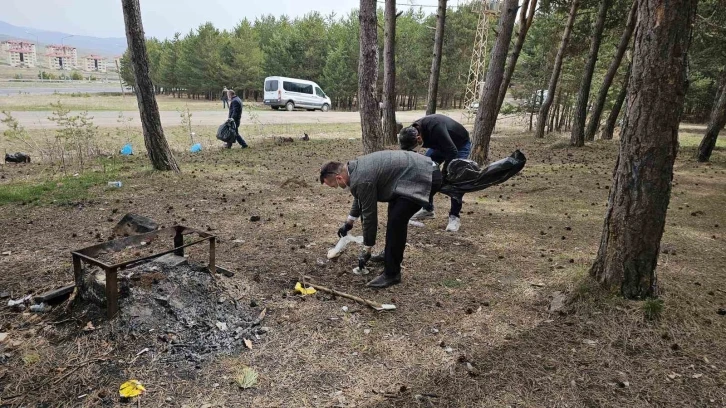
292 93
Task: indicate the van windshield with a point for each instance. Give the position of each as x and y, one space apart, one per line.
297 87
270 86
319 92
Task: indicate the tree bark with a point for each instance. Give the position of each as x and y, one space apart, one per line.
577 136
156 144
609 130
389 73
436 62
715 124
368 77
599 105
639 198
486 116
547 103
526 15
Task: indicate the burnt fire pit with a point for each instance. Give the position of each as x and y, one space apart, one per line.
92 255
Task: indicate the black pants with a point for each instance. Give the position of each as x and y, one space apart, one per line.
237 138
400 211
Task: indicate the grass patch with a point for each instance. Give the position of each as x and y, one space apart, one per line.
61 191
452 283
653 308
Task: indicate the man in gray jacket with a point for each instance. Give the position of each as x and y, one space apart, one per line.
405 180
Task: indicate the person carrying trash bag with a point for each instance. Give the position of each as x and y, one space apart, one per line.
405 180
235 114
446 140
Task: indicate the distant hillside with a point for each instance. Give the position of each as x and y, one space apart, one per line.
108 47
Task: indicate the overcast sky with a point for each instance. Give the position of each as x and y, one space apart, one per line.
103 18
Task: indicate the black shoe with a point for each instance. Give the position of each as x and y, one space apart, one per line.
379 257
384 281
228 146
244 146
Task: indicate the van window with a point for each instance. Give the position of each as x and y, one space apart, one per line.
319 92
271 86
297 87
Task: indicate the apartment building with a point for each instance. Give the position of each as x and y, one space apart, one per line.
62 57
19 53
95 63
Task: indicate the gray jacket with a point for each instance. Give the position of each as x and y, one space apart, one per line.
383 176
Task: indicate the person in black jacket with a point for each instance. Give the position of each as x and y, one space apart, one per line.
235 114
446 139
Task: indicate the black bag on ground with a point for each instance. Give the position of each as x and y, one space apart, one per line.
464 176
227 132
17 158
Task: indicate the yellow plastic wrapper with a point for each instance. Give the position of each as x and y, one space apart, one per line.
304 291
130 389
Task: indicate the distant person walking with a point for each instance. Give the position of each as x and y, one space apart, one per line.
225 98
235 114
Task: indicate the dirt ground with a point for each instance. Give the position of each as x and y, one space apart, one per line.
472 328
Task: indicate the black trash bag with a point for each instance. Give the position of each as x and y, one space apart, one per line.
464 176
17 158
227 132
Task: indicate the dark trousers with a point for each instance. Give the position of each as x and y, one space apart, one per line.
238 137
400 211
436 156
225 104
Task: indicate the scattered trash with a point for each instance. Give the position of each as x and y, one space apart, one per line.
197 147
304 291
40 308
127 150
7 253
221 326
345 309
342 243
416 223
115 184
19 304
247 378
358 271
558 302
589 342
17 158
130 389
448 349
248 343
3 336
89 327
369 303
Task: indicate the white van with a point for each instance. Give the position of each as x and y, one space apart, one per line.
294 93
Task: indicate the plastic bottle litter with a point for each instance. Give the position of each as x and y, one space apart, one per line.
115 184
40 308
127 150
197 147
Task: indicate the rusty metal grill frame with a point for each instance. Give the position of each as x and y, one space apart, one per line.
88 255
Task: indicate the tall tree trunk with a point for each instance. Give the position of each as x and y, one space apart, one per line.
486 116
547 103
156 144
639 198
368 77
599 105
436 62
715 124
577 137
609 130
526 15
389 73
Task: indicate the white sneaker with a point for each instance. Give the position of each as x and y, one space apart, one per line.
422 214
454 223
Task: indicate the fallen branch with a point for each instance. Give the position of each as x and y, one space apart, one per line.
374 305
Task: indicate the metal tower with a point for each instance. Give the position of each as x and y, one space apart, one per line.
487 10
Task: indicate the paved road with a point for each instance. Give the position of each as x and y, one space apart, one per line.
39 119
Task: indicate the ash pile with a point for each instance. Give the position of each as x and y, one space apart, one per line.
181 312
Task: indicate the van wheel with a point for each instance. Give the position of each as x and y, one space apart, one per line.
290 106
325 108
